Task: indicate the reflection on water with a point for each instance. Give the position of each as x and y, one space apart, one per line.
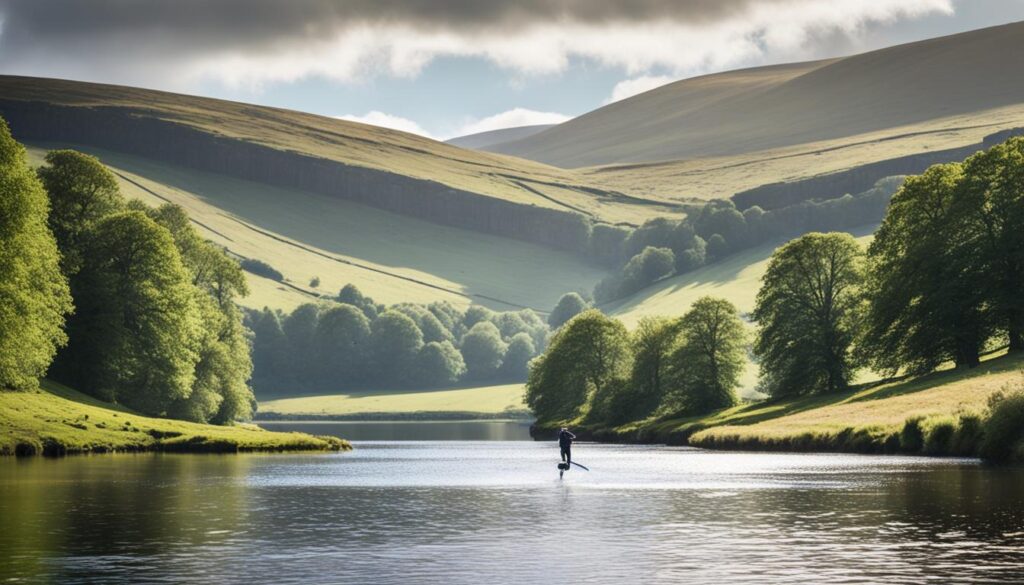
473 430
496 512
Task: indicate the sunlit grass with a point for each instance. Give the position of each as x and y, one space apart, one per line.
58 420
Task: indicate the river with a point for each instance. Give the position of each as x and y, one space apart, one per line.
479 511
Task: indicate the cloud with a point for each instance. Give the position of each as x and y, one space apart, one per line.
376 118
249 43
510 119
631 87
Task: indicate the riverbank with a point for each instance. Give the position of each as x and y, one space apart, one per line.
57 420
499 402
937 414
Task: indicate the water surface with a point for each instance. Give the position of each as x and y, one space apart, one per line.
496 512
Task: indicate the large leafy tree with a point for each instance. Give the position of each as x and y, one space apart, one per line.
707 363
926 283
221 391
807 313
483 350
82 191
395 342
135 338
993 191
34 295
651 345
583 357
342 345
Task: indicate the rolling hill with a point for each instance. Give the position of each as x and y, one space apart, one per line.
766 108
484 140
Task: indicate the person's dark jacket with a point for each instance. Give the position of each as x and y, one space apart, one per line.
565 439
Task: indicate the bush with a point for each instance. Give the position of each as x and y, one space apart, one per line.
912 437
1004 427
938 439
314 282
967 439
261 268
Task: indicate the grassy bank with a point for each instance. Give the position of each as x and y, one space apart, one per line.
938 414
485 402
57 420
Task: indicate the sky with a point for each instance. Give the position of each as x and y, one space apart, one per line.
445 68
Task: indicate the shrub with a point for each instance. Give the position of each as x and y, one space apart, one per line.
261 268
938 438
1004 427
912 437
314 282
969 431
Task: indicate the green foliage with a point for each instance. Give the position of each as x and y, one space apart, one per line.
912 436
395 341
34 296
340 346
924 279
515 364
82 191
584 355
483 350
993 192
1004 427
570 305
706 365
135 338
607 244
351 295
439 364
261 268
642 270
808 312
314 282
651 344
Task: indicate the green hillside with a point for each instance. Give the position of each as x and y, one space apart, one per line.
58 420
392 257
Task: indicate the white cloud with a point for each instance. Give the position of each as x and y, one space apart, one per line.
510 119
210 42
631 87
376 118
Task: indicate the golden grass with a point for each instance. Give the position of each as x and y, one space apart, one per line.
58 420
486 401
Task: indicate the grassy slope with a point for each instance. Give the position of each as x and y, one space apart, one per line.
58 420
485 401
351 143
780 106
868 419
394 258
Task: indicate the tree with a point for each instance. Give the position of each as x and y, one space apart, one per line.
34 296
651 343
351 295
709 359
993 192
483 350
300 327
584 355
341 346
515 364
569 305
82 191
925 282
269 352
475 314
432 328
135 336
439 364
395 341
807 312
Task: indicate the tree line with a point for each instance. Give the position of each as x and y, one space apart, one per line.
354 343
118 300
663 247
942 282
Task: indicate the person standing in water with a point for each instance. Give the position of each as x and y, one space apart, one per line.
565 439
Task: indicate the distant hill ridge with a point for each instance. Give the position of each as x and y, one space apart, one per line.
771 107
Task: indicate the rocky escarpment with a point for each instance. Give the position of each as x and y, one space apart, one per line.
125 130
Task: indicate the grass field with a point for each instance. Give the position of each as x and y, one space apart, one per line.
486 401
869 419
57 420
393 258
